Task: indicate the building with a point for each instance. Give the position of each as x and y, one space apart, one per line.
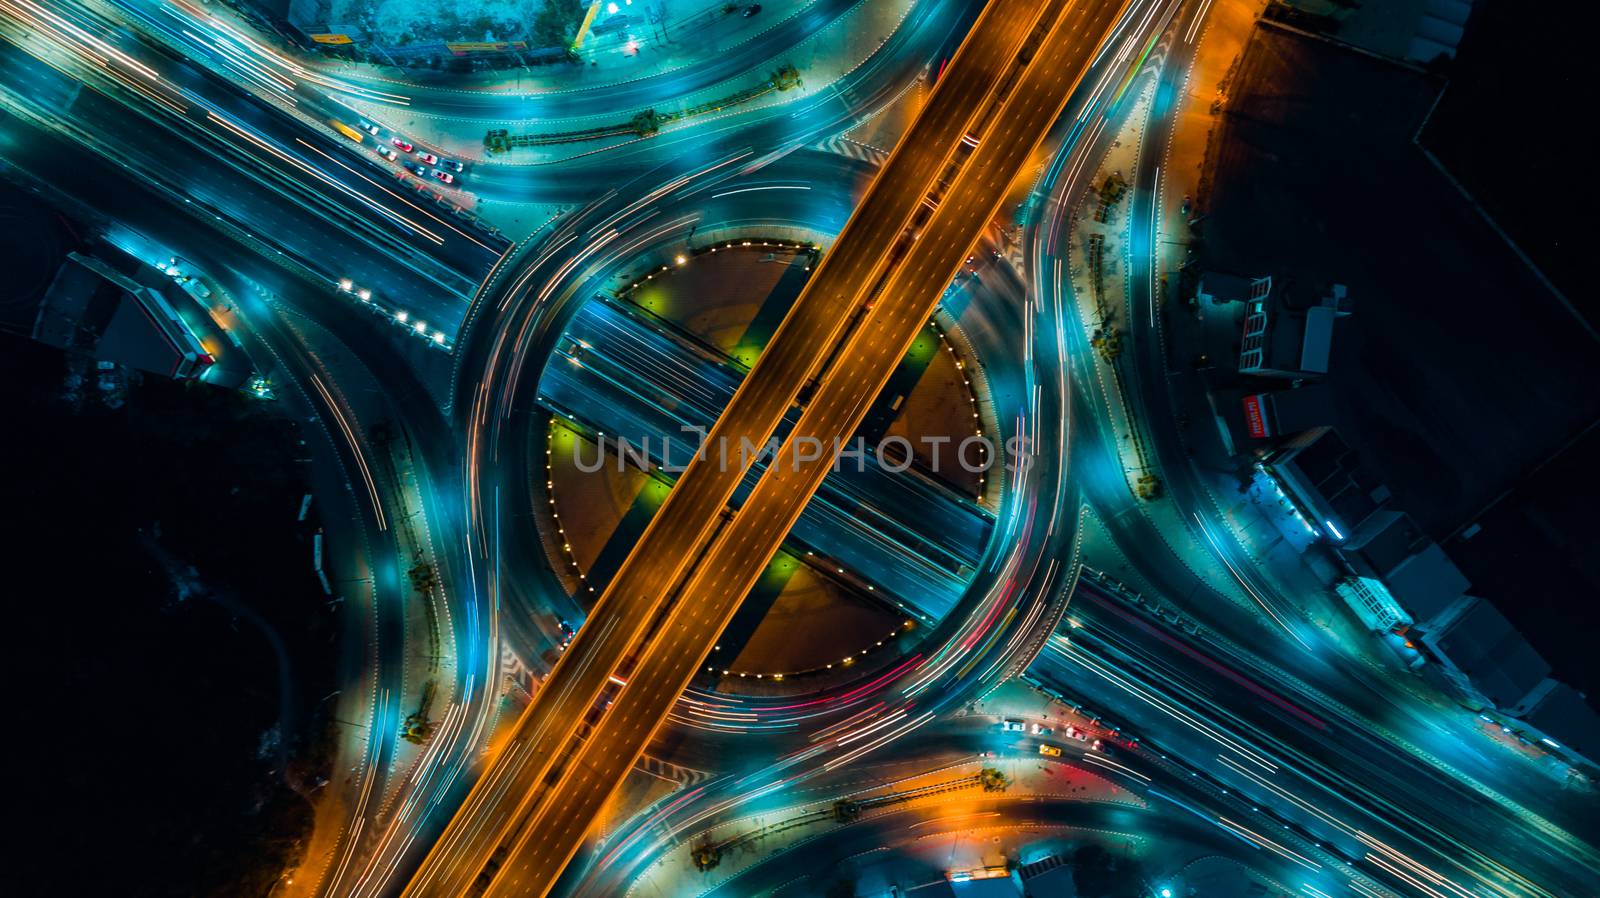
1562 719
1417 31
1049 876
1322 477
94 307
1282 413
1399 579
1482 655
1219 287
1289 334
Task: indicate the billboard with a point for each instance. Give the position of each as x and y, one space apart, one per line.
333 38
1253 417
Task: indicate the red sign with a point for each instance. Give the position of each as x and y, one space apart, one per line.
1252 416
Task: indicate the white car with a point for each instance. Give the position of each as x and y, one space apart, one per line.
387 153
428 158
1013 726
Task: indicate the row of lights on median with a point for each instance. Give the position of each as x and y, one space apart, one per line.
972 394
550 489
572 562
681 259
401 317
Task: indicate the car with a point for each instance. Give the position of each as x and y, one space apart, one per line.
751 10
444 176
404 147
428 158
1041 730
387 153
415 168
453 165
368 127
1013 726
1049 750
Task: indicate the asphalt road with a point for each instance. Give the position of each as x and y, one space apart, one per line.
694 507
1286 748
299 191
737 557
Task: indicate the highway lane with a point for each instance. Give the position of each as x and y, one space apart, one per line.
693 508
1357 692
1181 806
739 553
243 264
1039 815
268 174
359 537
1438 734
228 114
930 31
440 94
1018 585
1197 699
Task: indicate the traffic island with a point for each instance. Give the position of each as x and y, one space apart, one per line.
656 358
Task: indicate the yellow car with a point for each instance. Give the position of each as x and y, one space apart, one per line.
1050 750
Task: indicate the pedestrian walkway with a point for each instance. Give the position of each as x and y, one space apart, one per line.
1099 262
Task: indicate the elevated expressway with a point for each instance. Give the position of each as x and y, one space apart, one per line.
499 812
924 254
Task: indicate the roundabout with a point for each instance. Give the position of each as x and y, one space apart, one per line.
608 276
885 549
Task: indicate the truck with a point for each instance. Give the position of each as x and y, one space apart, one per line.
348 131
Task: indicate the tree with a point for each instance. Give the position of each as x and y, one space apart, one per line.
557 23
